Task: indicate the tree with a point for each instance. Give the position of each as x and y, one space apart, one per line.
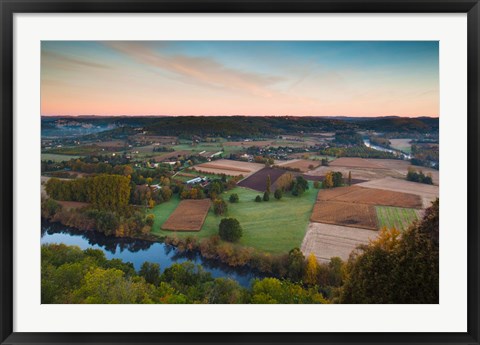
268 184
230 230
311 270
150 272
296 265
272 290
150 219
316 184
333 179
219 207
349 178
285 182
278 194
258 198
266 196
233 198
328 182
397 267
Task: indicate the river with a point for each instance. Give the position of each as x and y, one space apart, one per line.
138 251
384 149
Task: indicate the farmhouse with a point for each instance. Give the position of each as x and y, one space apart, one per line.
197 179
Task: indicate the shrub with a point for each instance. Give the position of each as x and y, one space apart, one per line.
233 198
266 196
230 230
258 198
278 194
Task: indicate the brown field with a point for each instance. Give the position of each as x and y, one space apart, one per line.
352 162
326 240
111 144
353 215
188 216
428 193
371 196
229 167
357 173
303 164
150 139
258 181
168 155
401 168
400 144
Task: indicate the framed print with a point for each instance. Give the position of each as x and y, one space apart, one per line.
184 172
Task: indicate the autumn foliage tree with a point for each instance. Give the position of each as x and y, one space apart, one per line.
311 270
397 267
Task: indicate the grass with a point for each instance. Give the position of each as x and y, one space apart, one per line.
397 217
162 212
57 157
276 226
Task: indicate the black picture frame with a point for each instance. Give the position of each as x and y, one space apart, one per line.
9 8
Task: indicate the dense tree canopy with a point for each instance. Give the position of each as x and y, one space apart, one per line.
397 267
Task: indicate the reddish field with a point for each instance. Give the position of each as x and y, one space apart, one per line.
351 162
188 216
258 181
302 164
354 215
371 196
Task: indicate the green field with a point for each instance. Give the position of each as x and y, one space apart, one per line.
273 226
397 217
57 157
162 212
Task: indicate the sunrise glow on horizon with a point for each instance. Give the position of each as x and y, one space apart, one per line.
263 78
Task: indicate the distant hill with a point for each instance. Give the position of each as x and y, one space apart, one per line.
238 126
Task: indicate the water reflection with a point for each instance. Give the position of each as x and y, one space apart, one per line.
138 251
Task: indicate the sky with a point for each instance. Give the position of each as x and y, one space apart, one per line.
297 78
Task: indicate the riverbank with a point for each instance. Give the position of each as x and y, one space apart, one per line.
137 251
211 249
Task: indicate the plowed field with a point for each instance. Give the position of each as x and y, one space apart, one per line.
353 215
188 216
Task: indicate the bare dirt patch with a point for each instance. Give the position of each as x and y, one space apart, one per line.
258 181
355 215
326 240
188 216
352 162
303 165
